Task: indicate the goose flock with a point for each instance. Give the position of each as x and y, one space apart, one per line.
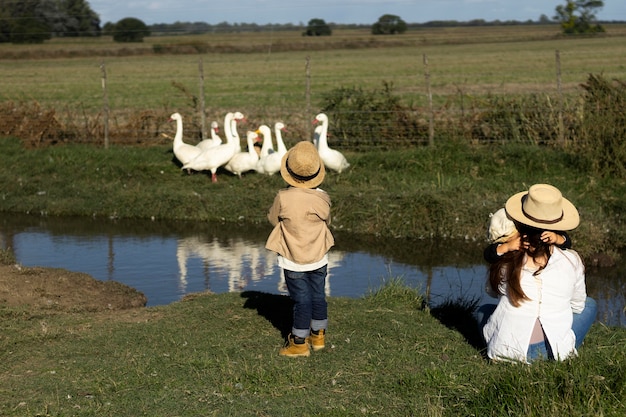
212 153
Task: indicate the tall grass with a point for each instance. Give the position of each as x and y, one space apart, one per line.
7 257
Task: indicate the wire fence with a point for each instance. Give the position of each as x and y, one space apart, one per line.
417 113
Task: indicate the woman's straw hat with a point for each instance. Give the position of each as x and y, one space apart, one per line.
302 166
543 207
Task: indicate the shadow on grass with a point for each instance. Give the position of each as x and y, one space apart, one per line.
459 315
277 309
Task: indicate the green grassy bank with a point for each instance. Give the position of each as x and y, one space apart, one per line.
217 355
445 192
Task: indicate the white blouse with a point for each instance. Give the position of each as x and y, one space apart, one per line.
555 294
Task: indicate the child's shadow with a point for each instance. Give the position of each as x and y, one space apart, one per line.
277 309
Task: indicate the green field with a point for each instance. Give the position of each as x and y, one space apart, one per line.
263 74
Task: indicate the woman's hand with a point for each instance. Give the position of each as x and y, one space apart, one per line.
552 238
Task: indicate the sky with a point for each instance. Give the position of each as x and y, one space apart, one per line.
334 11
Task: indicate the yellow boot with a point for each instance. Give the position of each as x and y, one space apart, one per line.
317 340
295 346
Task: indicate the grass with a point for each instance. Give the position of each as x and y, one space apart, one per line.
7 257
217 354
445 192
386 355
271 82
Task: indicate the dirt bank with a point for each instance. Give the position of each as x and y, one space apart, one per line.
62 290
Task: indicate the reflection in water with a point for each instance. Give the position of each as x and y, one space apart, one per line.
166 260
244 263
608 287
240 262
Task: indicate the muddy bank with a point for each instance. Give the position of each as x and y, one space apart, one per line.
62 290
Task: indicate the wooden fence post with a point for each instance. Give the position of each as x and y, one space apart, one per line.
431 127
559 89
105 99
307 95
201 101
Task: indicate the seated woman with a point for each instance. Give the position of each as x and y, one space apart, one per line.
543 310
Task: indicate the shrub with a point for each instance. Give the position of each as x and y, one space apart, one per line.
364 118
603 126
195 47
528 119
31 123
389 24
317 27
130 29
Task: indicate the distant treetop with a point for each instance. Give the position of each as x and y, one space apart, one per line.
130 29
33 21
389 24
579 16
317 27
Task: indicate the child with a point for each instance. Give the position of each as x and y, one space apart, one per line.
301 237
504 237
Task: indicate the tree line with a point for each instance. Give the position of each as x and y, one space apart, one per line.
34 21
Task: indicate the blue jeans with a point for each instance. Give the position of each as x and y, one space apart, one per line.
580 325
310 310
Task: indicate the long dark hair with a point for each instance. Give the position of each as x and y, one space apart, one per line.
509 267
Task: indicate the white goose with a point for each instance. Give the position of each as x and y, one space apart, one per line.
214 141
270 164
228 125
214 132
267 146
332 158
230 128
184 152
279 128
213 158
244 161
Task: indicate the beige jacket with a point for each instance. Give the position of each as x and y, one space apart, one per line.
300 217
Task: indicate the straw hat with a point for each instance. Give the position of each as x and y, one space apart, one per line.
302 166
543 207
501 227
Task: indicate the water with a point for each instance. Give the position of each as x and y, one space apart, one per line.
166 260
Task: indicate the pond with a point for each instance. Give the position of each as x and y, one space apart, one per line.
167 260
